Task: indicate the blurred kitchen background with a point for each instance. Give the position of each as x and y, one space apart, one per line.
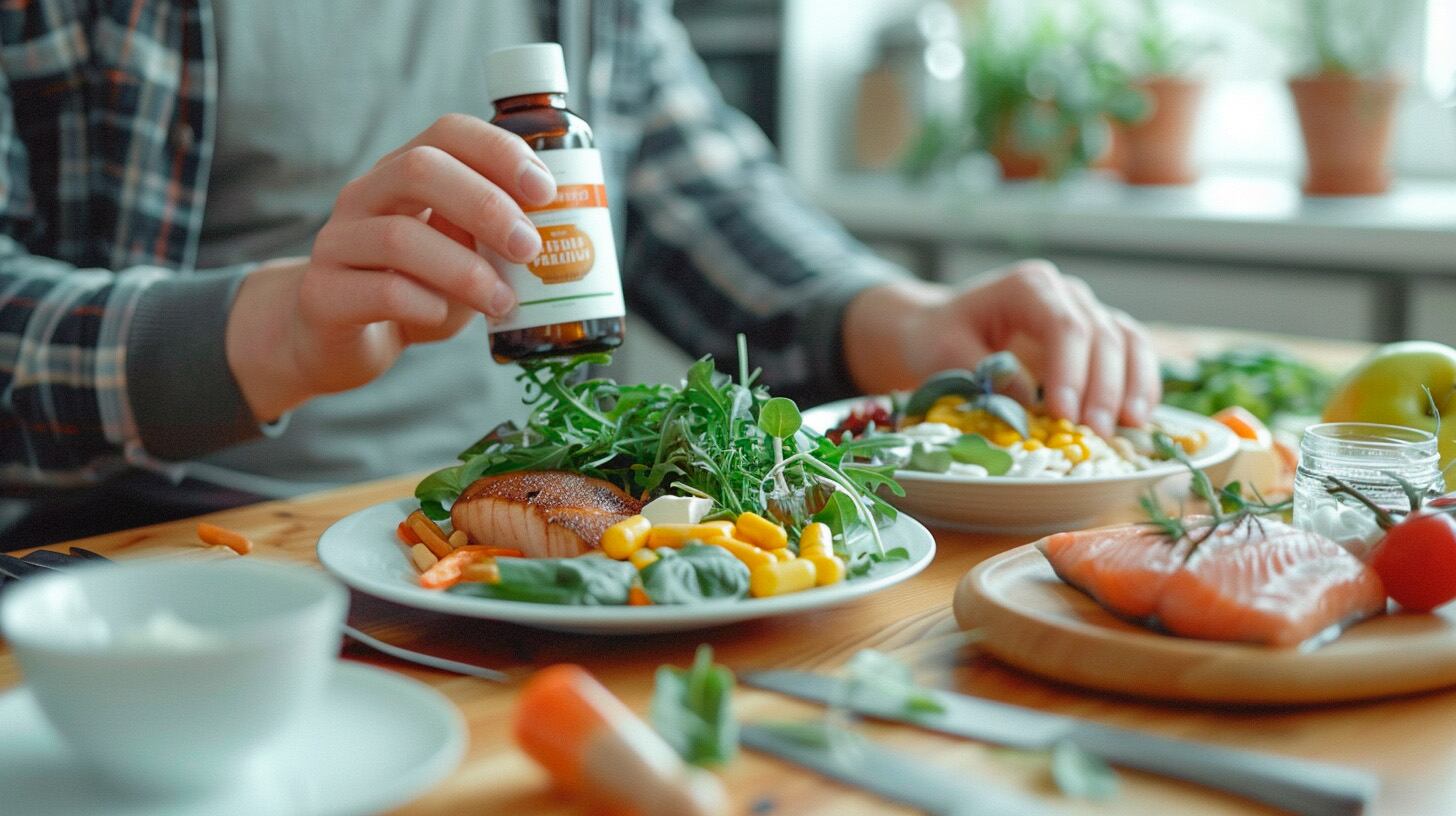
1151 147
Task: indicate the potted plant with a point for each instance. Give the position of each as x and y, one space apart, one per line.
1157 148
1346 97
1041 99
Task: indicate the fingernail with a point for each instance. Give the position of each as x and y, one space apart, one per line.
1065 402
536 184
1137 410
502 300
524 242
1101 421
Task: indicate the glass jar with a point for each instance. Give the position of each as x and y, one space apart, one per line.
1362 454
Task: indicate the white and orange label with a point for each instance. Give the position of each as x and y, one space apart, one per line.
575 277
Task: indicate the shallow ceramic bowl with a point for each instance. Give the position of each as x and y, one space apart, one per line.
1002 504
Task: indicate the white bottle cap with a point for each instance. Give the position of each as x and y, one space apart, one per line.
525 69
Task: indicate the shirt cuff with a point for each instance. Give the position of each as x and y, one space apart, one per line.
822 328
183 396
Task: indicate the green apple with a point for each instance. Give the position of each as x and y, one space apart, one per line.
1386 387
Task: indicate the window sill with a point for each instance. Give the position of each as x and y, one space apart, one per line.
1412 229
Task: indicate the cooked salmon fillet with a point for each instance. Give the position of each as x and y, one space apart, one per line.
542 513
1265 582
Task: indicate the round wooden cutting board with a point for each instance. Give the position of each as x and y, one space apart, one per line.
1033 620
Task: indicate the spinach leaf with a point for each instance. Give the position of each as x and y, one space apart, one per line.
698 573
1081 775
693 710
584 581
973 449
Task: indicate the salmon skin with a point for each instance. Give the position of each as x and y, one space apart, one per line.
1260 582
542 513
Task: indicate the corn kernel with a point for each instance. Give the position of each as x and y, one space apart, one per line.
676 535
816 537
1032 444
751 556
626 537
760 532
781 578
1006 438
643 557
828 568
782 554
1060 440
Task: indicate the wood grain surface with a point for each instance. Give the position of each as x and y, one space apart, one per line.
1410 742
1031 619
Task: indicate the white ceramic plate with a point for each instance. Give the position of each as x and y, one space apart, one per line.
362 551
1002 504
373 742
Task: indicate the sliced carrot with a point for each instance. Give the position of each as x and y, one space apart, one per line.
430 534
447 573
458 539
504 552
637 596
406 534
221 537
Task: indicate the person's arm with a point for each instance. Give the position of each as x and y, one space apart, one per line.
720 243
718 240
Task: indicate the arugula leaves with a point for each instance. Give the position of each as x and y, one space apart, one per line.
696 573
693 710
713 437
570 581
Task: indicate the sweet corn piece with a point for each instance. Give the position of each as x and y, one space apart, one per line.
751 556
1033 444
423 558
781 578
626 537
828 568
760 532
1006 438
781 554
816 537
642 557
1060 440
676 535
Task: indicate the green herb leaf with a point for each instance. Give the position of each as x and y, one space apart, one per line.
1005 409
928 458
698 573
585 581
779 418
693 710
973 449
879 682
1081 775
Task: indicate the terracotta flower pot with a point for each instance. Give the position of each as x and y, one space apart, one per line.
1346 122
1159 149
1016 164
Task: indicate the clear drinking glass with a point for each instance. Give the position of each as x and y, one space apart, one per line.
1364 455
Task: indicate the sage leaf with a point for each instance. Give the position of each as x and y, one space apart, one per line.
693 710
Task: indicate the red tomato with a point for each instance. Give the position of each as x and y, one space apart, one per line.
1417 561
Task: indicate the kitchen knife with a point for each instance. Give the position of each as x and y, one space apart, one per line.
894 775
1300 786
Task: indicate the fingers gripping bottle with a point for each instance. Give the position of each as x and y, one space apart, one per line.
569 299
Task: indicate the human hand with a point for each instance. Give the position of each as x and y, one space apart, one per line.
1095 364
394 265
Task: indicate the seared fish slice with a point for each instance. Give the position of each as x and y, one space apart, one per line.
542 513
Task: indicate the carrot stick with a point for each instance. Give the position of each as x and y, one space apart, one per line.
447 572
407 534
637 596
220 537
430 534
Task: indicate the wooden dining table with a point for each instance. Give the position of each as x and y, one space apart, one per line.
1409 742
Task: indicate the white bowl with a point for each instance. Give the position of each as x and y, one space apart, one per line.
166 676
1003 504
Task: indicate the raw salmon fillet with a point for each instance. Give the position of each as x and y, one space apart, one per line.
1267 583
542 513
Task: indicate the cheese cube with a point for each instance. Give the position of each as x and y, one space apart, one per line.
677 509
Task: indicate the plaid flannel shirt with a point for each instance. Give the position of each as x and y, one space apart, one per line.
106 132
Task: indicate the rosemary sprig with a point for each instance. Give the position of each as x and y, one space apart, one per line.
1227 505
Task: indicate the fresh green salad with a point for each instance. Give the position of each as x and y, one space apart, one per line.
1267 382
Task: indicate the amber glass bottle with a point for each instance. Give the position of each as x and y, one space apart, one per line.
570 297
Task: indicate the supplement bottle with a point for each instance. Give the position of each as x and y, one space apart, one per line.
569 299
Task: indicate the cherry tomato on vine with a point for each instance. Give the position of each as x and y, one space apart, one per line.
1417 560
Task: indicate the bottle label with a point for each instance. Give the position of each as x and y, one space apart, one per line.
575 277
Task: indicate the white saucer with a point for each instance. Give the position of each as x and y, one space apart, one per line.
373 742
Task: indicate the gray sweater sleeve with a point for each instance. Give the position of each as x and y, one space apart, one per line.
183 396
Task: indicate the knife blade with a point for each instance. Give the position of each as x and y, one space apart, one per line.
894 775
1300 786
